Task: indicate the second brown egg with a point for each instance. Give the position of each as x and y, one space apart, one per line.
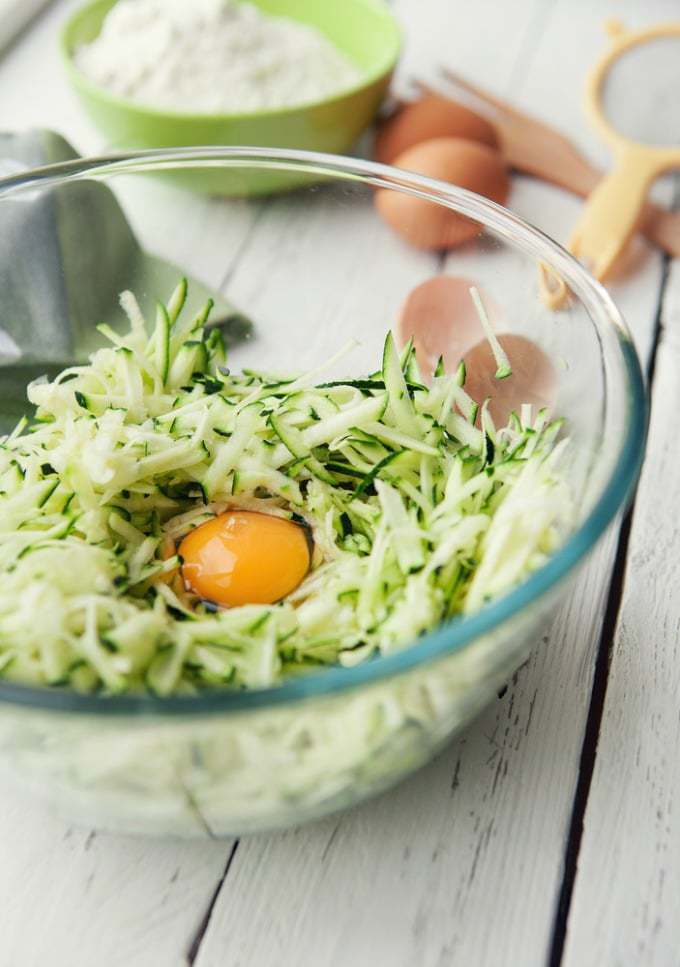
467 164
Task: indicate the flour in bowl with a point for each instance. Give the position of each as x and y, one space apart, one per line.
212 56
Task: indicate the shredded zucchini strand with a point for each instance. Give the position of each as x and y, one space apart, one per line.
416 513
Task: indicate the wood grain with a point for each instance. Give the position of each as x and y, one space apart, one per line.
69 896
459 865
34 92
72 897
462 865
627 893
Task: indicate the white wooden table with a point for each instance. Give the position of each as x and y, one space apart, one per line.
549 833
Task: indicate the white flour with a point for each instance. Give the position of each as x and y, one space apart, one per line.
212 56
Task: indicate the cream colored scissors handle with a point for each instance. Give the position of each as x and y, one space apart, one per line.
613 209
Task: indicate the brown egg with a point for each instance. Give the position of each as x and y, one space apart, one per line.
533 379
430 117
428 225
440 316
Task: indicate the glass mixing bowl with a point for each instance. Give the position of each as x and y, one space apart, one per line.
311 269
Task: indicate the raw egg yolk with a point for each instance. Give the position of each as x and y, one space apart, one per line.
243 557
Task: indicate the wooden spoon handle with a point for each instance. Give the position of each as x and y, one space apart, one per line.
661 227
567 168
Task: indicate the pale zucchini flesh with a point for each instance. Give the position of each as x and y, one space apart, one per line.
418 509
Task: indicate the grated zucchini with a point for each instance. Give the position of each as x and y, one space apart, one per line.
416 512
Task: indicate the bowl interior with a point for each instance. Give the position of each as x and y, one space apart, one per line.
313 270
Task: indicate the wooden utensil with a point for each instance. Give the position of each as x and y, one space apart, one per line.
531 146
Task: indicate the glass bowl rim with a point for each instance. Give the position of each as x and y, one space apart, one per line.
458 633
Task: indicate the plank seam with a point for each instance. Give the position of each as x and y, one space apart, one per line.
599 690
233 266
197 939
535 29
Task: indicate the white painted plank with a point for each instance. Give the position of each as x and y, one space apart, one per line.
627 892
489 41
68 896
34 91
502 830
14 16
459 865
431 875
200 234
73 897
318 274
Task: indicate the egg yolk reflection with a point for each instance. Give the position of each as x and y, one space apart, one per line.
243 557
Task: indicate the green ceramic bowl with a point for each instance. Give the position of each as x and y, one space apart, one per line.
365 30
